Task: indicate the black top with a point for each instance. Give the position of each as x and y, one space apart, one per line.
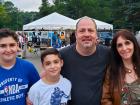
86 74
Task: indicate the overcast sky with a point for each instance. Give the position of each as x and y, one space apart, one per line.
27 5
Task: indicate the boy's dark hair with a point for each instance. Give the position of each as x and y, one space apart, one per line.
49 51
5 32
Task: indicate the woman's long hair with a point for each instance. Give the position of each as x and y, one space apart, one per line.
117 71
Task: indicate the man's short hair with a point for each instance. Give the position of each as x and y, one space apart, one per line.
86 17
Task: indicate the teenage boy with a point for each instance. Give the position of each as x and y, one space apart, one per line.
16 75
52 88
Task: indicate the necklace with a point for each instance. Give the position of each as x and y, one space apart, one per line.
130 75
128 70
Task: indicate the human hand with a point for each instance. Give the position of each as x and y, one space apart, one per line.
28 101
42 74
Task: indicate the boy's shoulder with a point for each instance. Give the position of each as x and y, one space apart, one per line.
24 62
36 86
27 66
65 81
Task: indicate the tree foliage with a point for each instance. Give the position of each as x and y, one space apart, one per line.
120 13
13 18
4 17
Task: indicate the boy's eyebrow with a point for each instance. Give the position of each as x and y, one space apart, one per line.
10 44
7 44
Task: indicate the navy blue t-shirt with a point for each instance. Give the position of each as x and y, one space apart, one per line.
86 74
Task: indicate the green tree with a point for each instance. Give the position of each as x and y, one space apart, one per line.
13 15
4 17
126 14
45 8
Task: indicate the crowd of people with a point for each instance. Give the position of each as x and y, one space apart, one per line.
54 39
84 73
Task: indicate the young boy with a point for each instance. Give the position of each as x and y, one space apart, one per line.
53 88
16 75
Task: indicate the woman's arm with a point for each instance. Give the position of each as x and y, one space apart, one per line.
106 95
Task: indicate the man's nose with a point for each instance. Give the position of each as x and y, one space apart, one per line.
86 32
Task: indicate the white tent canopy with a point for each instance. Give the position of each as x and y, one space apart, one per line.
103 25
53 21
100 24
57 21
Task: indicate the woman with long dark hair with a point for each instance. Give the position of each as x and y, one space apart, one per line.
122 80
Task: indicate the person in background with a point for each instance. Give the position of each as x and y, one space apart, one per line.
107 42
52 88
58 42
122 80
16 75
72 38
54 39
62 37
85 64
